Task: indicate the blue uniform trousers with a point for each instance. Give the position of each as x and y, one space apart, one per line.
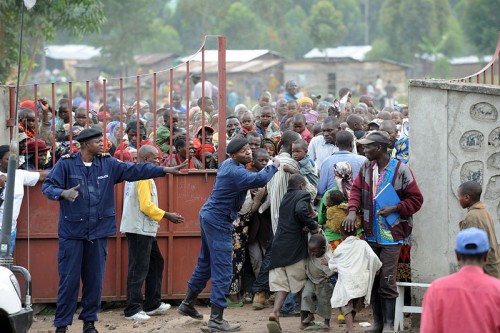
214 261
80 258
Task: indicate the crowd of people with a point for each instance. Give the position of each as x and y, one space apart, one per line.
311 210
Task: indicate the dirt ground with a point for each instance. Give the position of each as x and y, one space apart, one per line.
112 320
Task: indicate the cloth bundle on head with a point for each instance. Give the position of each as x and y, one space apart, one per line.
343 177
63 148
142 104
103 115
235 145
304 100
75 129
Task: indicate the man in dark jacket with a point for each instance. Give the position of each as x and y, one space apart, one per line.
287 267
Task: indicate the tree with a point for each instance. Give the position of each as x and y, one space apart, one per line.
353 20
194 19
128 24
164 38
241 27
295 40
481 23
324 25
75 17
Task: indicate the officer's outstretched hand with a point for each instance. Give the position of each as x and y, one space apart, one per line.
174 217
71 194
175 170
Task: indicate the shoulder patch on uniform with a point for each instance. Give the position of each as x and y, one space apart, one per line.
105 155
66 156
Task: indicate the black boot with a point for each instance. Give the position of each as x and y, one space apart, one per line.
62 329
88 327
378 319
216 323
187 306
389 310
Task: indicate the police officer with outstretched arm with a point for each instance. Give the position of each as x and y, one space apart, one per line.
83 183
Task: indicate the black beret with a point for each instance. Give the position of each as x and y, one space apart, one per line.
87 134
235 145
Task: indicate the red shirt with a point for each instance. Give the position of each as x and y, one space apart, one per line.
306 135
467 301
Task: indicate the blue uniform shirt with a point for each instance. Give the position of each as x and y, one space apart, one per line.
230 188
92 214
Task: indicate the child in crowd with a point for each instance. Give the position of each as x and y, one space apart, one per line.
307 167
299 126
80 117
318 290
287 265
478 216
291 110
264 100
247 121
337 210
357 265
306 108
271 147
317 129
163 131
27 122
266 125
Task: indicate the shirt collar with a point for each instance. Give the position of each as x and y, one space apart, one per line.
477 205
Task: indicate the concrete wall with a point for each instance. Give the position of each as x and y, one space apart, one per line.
454 137
4 115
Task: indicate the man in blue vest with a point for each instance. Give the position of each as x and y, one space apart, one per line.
84 184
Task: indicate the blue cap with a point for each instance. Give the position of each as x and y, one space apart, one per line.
472 241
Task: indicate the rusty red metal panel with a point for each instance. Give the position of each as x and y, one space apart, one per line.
222 98
36 245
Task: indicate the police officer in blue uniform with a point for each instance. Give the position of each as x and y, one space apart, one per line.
216 223
83 183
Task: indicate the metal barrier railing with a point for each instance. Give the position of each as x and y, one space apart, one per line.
482 76
174 81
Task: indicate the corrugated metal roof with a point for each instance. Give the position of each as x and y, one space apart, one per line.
149 59
470 60
353 52
231 55
71 52
255 66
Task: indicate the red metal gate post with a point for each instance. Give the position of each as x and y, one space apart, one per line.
221 153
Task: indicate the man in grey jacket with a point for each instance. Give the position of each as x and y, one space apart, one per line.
140 218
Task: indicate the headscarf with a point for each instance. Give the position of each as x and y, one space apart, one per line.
343 177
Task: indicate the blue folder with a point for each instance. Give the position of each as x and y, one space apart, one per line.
388 197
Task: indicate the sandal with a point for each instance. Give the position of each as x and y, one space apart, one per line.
274 327
230 304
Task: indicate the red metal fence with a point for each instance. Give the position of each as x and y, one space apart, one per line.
36 244
487 74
